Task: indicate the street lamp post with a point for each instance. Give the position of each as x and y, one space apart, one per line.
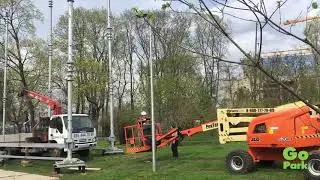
5 78
112 149
69 79
50 53
112 138
152 104
69 161
151 94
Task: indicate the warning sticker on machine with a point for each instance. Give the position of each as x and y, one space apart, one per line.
251 110
260 110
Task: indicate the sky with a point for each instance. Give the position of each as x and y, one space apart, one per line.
242 31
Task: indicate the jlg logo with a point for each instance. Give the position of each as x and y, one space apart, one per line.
291 154
208 126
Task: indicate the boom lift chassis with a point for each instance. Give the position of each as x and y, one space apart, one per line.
234 123
270 135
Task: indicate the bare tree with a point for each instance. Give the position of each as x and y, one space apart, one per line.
22 15
263 18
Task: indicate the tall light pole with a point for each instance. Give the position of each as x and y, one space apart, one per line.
153 134
69 161
50 53
5 78
69 79
152 105
109 28
112 149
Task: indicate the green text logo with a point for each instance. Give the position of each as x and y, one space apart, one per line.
290 154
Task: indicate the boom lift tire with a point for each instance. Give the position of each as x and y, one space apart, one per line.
239 162
313 171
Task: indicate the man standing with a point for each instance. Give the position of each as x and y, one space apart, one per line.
174 144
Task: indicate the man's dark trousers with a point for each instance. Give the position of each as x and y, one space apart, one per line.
174 148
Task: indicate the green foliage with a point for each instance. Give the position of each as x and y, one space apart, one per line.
90 77
93 75
142 14
165 6
179 94
25 50
314 5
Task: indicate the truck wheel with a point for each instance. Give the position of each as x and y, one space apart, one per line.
313 170
57 170
239 162
83 169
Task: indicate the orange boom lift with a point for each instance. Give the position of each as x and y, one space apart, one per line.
138 136
268 135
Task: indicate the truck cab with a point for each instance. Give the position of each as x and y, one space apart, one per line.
83 132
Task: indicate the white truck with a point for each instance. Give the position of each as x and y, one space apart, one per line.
83 132
55 129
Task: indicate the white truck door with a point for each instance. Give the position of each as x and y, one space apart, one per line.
56 130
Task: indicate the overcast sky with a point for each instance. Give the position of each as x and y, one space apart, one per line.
242 31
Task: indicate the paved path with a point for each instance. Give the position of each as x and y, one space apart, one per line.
11 175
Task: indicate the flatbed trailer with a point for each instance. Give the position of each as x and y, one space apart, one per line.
20 137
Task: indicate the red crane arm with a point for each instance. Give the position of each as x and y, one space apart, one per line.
54 104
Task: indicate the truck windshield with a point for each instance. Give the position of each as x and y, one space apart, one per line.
79 123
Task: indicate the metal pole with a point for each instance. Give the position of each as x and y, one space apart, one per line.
5 79
112 137
256 42
69 79
50 53
152 108
69 161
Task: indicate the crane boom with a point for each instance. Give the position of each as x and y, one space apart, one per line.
52 103
138 137
291 52
295 21
201 128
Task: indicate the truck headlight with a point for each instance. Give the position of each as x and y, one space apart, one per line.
94 139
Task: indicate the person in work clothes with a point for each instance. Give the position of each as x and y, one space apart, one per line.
174 145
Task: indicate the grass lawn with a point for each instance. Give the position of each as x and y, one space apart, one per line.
201 157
